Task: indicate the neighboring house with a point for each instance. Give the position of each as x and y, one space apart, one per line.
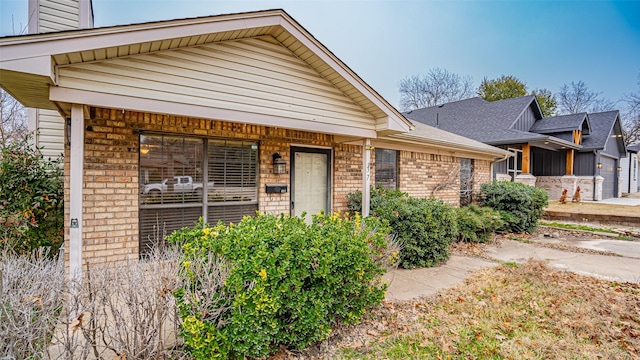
555 153
250 103
630 170
51 16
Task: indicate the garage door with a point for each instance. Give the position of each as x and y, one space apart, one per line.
608 172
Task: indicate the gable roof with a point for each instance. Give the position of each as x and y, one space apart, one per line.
29 64
602 127
562 123
484 121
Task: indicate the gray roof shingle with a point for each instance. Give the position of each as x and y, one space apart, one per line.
478 119
560 123
601 125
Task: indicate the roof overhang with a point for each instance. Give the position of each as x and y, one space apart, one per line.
545 142
28 64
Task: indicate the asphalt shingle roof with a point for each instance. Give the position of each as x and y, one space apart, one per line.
601 125
561 123
478 119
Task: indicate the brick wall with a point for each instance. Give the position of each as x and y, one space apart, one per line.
421 173
481 175
347 175
111 192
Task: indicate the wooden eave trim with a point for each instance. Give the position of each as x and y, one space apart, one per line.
99 38
445 145
64 95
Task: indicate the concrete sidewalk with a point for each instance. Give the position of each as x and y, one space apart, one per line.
412 284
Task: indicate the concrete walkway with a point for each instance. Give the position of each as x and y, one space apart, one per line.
412 284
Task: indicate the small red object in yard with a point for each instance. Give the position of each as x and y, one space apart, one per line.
563 198
576 196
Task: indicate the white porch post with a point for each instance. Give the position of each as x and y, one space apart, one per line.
366 177
76 184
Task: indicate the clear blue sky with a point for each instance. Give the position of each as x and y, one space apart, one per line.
543 43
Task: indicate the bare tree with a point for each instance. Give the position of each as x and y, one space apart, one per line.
632 116
13 123
437 87
576 98
602 104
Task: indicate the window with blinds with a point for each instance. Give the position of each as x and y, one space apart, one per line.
387 168
173 174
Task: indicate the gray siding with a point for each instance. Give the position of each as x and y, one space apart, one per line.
584 164
549 163
614 147
500 168
525 121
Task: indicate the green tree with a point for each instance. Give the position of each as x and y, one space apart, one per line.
31 198
504 87
547 101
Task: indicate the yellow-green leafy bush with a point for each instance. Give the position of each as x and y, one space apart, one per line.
287 283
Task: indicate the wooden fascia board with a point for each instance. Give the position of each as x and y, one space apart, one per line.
439 149
84 40
38 65
73 96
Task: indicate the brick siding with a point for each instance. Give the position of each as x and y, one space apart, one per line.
111 173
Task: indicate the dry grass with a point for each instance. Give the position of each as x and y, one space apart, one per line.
520 312
594 208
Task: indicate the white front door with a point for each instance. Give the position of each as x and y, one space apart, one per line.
310 183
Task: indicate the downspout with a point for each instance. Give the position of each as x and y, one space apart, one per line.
498 159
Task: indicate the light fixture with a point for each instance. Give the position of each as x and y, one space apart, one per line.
144 149
279 165
599 165
619 168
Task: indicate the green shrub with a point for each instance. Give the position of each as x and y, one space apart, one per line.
520 205
425 227
476 224
31 199
288 283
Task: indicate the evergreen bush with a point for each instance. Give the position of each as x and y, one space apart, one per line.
425 227
31 199
520 205
476 224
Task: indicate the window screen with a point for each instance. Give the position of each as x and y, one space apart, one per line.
173 174
387 168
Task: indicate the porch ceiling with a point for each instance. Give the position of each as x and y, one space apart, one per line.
25 57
